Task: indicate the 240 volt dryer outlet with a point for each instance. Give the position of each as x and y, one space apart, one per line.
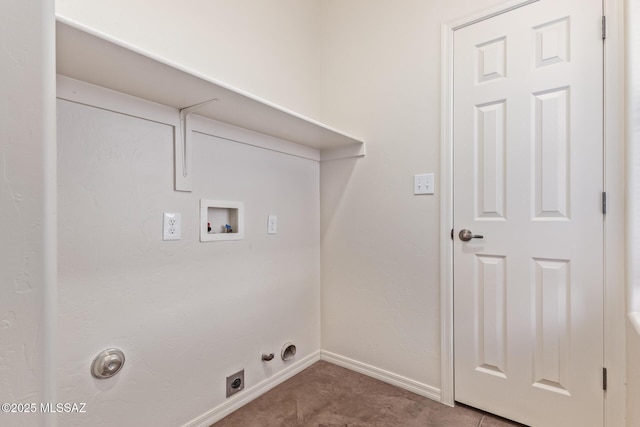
235 383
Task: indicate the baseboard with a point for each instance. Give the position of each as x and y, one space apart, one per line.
382 375
221 411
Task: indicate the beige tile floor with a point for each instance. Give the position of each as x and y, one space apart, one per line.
326 395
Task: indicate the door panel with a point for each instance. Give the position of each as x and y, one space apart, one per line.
490 128
528 312
491 311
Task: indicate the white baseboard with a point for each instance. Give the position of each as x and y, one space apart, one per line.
382 375
221 411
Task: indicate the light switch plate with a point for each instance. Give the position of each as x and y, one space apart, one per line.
172 225
424 183
272 224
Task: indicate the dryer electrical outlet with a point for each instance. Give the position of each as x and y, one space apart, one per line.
235 383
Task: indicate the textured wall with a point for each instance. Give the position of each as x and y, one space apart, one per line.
186 314
633 205
633 150
27 206
633 377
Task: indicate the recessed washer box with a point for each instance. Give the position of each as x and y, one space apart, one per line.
224 218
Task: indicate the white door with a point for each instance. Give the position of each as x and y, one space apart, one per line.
528 177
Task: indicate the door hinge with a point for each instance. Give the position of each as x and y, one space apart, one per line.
604 379
604 202
452 234
604 27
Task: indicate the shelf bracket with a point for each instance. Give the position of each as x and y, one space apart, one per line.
352 150
182 154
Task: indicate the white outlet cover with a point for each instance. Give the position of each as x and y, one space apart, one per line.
424 183
272 224
172 226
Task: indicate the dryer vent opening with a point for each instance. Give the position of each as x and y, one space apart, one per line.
288 351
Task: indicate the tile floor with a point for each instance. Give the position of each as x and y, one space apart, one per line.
326 395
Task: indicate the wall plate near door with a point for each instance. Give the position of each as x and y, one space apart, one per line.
423 183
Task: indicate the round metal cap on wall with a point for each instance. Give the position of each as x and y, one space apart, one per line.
107 363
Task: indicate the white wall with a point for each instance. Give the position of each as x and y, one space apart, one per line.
186 314
380 243
171 305
267 48
27 207
632 14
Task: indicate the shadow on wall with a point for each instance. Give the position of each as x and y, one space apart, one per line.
334 176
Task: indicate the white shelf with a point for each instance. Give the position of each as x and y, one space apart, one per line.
87 55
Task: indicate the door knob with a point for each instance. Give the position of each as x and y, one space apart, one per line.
466 235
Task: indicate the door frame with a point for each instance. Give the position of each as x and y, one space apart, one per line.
614 237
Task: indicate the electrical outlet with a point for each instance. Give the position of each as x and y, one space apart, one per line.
172 225
272 224
235 383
